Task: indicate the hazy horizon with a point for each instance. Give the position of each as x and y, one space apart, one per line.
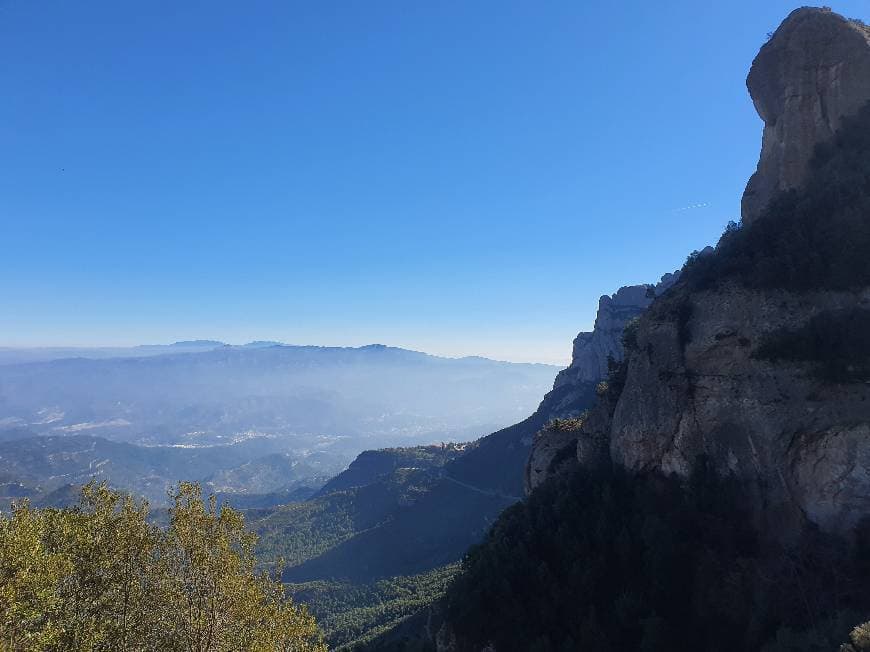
122 344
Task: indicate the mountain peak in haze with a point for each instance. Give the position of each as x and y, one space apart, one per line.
187 344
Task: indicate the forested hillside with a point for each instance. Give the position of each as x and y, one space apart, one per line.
368 556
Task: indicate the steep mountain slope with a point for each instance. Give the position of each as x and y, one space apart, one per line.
370 466
575 388
347 552
717 496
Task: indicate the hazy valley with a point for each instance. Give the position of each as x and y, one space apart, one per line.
251 419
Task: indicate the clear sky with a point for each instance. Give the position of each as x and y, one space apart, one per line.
460 177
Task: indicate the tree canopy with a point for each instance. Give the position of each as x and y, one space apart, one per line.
101 577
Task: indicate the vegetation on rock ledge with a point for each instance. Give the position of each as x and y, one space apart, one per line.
836 343
797 243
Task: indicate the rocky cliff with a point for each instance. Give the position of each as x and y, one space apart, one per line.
592 353
813 72
705 499
497 462
757 360
592 350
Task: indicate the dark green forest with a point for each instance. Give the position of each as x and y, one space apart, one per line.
353 614
616 561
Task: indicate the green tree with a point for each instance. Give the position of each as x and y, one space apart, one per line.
29 583
100 577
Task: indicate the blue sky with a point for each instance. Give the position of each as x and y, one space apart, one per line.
457 177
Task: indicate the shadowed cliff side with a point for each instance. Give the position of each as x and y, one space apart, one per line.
574 390
757 357
498 460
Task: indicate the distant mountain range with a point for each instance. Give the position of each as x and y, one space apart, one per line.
346 399
262 419
18 355
13 355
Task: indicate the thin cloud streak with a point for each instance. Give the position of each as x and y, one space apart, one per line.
690 207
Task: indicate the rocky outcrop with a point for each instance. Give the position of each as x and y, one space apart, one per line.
697 386
589 364
711 374
592 350
813 72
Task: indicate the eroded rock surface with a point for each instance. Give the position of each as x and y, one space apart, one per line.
592 350
701 389
813 72
589 361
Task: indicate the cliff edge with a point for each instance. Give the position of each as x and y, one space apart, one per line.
758 360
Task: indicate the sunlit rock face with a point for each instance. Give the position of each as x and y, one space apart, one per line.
813 72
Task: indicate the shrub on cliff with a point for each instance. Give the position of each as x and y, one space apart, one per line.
859 639
570 424
835 343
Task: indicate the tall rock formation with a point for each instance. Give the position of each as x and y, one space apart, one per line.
593 352
497 462
747 361
813 72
